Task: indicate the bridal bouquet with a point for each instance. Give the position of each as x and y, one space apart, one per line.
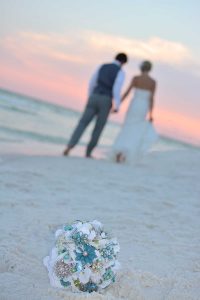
84 258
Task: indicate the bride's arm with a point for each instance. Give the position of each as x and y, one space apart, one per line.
152 101
126 93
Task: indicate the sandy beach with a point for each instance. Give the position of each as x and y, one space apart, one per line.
152 208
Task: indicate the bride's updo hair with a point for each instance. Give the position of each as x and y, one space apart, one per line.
146 66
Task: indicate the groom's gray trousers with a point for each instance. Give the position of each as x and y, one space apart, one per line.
98 106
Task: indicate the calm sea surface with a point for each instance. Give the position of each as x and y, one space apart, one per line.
32 127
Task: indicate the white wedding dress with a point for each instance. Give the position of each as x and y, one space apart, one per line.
137 134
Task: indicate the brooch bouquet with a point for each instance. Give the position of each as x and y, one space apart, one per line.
84 258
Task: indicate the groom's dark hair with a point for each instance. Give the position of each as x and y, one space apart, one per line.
122 58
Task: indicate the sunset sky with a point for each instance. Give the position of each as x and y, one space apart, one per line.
49 49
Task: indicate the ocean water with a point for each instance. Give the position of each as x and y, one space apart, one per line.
32 127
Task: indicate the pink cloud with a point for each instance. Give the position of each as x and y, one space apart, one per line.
57 68
155 49
177 125
40 81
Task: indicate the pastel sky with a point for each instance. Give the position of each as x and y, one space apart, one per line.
49 49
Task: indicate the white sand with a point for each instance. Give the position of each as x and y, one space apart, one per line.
153 209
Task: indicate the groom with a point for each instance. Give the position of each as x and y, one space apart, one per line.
105 85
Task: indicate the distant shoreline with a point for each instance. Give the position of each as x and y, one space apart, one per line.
44 102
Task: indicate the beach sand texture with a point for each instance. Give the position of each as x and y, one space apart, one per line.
152 208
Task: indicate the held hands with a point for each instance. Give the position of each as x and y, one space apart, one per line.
114 110
151 119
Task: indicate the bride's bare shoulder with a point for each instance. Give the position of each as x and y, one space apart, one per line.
135 80
152 79
153 83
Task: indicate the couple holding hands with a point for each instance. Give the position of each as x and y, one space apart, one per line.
137 133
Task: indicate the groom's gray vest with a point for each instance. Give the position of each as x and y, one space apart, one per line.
106 78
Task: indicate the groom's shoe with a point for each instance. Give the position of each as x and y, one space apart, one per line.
89 156
67 150
120 158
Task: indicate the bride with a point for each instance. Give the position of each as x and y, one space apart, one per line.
137 133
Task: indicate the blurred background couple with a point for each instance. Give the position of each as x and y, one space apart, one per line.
137 133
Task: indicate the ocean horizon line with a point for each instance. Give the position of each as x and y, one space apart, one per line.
165 137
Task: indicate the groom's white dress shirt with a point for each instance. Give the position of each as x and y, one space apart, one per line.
117 86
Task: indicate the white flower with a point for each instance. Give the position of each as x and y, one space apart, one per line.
97 225
96 277
58 232
102 243
78 226
84 276
116 246
54 255
71 249
92 235
116 266
85 228
105 284
98 254
68 234
103 235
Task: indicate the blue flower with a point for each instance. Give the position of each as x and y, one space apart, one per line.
109 274
80 238
90 287
68 227
108 252
65 283
86 255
